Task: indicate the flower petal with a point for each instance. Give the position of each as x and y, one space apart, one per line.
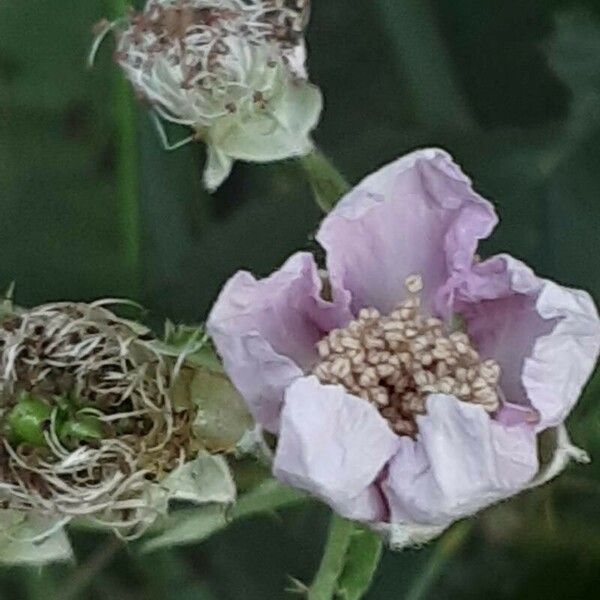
417 215
545 337
266 331
461 462
334 445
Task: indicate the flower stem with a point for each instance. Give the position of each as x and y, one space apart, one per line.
325 583
127 164
327 183
444 551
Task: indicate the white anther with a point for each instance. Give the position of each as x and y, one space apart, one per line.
350 343
380 396
373 343
414 283
368 314
385 370
459 336
479 384
323 348
490 371
461 348
446 385
358 358
420 343
426 359
422 378
374 357
355 328
340 367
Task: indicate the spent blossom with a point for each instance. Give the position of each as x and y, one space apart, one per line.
410 384
100 424
232 70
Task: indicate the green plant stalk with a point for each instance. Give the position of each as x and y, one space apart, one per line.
444 551
327 183
124 114
325 584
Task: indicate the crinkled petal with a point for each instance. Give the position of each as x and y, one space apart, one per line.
266 331
334 445
417 215
461 462
545 337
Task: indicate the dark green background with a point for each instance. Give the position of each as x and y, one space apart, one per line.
511 88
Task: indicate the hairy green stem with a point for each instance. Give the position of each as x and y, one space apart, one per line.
325 583
327 183
444 551
124 114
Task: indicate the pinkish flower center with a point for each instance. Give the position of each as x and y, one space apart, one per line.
396 361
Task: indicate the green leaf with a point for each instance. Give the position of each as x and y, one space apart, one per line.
362 560
194 525
267 496
190 526
23 540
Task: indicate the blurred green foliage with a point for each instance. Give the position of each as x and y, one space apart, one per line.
511 88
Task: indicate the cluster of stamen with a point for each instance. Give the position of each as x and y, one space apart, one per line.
396 361
103 368
209 47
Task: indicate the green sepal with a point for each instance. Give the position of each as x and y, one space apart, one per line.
222 418
192 341
23 540
207 479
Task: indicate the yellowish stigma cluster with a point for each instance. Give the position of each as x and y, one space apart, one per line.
396 361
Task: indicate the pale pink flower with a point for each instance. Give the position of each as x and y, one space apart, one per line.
385 406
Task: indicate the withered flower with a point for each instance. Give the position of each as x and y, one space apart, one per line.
98 422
